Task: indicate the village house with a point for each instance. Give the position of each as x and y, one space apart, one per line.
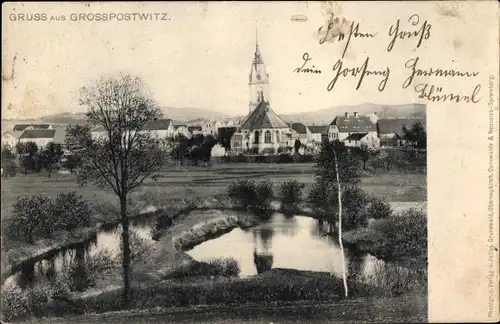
195 130
181 130
303 134
208 128
11 138
41 137
344 126
359 139
23 127
390 131
319 133
162 128
211 127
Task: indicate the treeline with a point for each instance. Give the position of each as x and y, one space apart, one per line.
42 217
195 149
27 157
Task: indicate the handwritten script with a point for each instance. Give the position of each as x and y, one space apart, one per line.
414 29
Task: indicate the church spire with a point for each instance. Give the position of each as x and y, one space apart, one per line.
256 39
258 57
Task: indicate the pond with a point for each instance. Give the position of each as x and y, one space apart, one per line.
296 242
49 266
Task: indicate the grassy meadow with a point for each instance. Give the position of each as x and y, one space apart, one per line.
194 182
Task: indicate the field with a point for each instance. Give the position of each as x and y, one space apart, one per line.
402 190
193 182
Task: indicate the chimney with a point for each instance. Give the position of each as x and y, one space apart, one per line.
356 114
346 115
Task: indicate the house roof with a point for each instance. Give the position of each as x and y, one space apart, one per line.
194 128
355 137
395 126
22 127
60 135
263 117
159 124
321 129
15 134
38 133
299 128
353 124
179 126
236 137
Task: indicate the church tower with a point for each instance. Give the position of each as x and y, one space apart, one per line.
258 80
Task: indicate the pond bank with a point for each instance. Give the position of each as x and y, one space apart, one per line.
167 254
275 287
47 248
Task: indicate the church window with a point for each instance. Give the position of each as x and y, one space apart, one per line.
259 94
267 137
278 136
256 137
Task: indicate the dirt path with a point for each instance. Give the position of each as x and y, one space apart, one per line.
388 310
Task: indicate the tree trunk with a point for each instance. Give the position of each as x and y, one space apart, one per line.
126 251
339 195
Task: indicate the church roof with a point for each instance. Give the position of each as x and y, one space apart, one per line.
263 117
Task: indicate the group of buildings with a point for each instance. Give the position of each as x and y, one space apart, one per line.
40 134
261 130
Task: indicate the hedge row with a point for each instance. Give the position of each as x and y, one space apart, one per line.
281 158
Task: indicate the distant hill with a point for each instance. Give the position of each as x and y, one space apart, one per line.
179 115
326 116
198 116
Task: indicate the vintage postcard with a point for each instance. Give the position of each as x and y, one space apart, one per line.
250 162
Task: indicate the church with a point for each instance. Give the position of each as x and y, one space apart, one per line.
262 130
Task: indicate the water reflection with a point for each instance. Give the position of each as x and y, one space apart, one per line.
74 256
263 261
297 242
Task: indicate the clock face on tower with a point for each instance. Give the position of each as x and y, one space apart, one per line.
258 76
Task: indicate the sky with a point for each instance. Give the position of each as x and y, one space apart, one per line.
201 57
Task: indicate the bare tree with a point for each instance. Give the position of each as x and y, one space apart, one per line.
117 153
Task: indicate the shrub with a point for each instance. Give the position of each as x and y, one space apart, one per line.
323 199
33 301
262 203
222 267
95 268
405 235
248 194
284 158
354 201
291 192
9 169
390 280
242 192
31 217
70 211
379 209
268 151
139 249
